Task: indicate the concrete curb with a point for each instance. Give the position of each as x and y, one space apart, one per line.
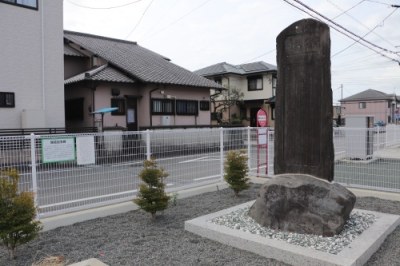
356 254
81 216
51 223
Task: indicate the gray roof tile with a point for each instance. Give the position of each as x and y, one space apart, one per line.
102 73
68 50
139 62
369 95
243 69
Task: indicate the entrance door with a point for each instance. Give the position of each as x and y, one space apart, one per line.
131 114
253 117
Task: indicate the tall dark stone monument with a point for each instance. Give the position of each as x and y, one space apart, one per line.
303 127
299 198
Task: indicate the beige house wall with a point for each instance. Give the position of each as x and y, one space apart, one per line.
178 93
240 82
143 92
378 109
31 65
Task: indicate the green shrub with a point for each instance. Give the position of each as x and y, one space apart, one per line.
152 197
236 171
17 213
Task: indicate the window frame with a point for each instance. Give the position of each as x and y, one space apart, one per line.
14 3
362 105
274 84
163 103
187 107
255 78
3 103
115 102
204 105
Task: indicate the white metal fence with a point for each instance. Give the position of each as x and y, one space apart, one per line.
77 171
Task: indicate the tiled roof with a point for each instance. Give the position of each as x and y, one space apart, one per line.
369 95
71 51
102 73
243 69
139 62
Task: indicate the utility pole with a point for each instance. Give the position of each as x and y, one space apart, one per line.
395 6
341 91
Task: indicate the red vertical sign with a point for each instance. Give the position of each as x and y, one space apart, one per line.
262 138
262 118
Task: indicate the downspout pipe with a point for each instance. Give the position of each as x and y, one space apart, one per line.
43 59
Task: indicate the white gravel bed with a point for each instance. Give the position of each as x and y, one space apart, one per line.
357 223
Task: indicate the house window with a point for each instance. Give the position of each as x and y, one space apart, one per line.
204 106
184 107
274 81
74 109
120 103
255 83
33 4
362 105
7 99
162 106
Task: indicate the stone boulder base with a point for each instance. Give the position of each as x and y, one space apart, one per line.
303 204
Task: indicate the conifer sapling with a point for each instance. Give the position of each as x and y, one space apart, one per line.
151 196
17 213
236 171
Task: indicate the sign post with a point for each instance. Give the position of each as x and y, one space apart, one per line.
262 139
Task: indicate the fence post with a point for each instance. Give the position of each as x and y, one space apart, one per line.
377 138
148 147
221 148
386 136
33 169
248 147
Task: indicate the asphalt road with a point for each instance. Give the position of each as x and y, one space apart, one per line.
72 187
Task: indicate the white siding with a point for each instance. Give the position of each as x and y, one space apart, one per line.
31 65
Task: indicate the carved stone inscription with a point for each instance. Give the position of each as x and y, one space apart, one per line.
303 131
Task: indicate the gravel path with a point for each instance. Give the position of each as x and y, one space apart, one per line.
133 239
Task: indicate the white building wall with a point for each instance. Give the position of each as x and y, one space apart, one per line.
31 65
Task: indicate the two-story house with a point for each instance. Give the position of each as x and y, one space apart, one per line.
382 106
31 65
147 89
255 81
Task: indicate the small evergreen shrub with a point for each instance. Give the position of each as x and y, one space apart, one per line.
236 171
17 213
152 197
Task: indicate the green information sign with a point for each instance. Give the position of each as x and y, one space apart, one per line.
58 149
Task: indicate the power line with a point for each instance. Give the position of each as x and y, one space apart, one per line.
261 55
378 2
140 20
344 31
359 22
100 8
371 30
179 19
343 28
345 12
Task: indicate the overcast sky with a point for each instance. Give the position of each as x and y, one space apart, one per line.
198 33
